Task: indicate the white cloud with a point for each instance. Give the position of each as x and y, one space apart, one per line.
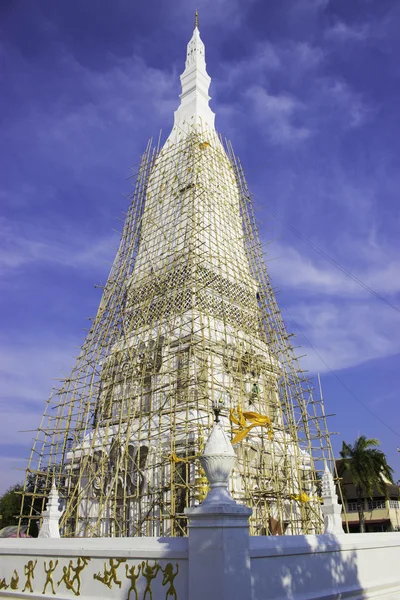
28 367
277 113
19 425
288 58
11 472
84 124
229 13
345 334
340 95
311 5
292 98
312 275
342 32
306 56
23 246
345 324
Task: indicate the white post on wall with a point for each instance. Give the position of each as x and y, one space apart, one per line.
51 516
219 560
331 509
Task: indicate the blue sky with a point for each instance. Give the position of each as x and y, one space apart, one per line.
308 91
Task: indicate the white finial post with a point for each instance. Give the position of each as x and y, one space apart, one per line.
331 509
51 516
219 529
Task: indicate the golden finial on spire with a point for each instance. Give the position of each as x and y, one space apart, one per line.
196 19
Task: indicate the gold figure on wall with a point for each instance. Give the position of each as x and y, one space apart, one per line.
29 569
3 584
133 577
49 575
66 578
110 575
80 565
14 581
149 572
168 578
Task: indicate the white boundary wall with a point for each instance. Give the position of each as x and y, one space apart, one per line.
128 556
326 567
218 561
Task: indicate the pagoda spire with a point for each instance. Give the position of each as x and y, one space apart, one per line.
194 109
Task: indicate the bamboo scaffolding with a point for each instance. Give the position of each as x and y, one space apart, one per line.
188 317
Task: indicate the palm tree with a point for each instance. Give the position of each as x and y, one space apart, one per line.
367 467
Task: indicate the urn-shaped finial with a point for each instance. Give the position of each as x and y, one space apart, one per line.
217 461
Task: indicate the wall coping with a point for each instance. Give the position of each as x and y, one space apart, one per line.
138 547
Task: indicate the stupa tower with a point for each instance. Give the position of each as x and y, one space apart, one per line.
188 321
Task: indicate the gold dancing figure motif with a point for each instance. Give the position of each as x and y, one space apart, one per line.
133 577
80 565
110 575
168 578
29 573
3 584
14 581
77 570
49 575
149 572
66 577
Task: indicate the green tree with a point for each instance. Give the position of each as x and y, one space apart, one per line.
367 466
10 504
